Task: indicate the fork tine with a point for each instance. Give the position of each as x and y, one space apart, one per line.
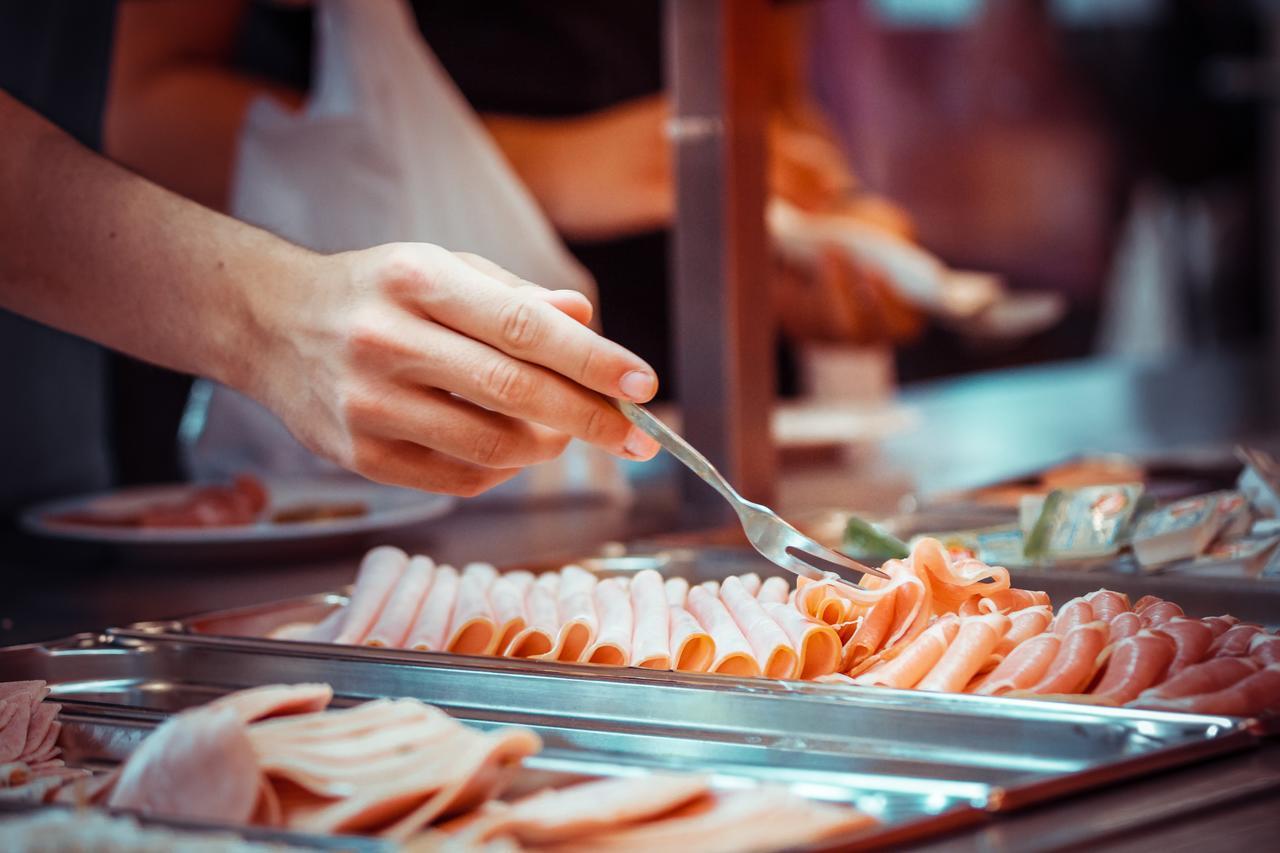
831 561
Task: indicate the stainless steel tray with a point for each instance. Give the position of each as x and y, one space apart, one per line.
947 750
98 734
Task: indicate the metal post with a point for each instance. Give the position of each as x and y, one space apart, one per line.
724 329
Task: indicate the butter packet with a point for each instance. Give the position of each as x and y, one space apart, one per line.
1001 545
1259 482
1077 524
1239 558
1183 529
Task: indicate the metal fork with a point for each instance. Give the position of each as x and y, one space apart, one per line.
774 538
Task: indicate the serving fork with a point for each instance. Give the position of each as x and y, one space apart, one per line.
775 539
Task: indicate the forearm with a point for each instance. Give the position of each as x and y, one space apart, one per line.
90 248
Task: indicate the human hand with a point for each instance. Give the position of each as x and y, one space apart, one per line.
415 366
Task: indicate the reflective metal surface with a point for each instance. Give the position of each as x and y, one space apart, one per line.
996 753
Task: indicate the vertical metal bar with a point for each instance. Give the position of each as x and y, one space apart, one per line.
724 330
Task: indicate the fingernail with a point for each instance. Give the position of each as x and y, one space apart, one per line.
639 446
638 385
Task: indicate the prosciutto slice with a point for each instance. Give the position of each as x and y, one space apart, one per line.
1125 625
1265 648
402 608
1075 612
1108 604
917 659
651 637
1076 662
379 573
733 655
770 645
1136 663
1192 639
1250 695
973 645
1208 676
1023 625
1024 667
1235 641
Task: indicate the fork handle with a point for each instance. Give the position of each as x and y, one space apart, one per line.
679 448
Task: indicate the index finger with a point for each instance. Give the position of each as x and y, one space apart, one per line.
526 327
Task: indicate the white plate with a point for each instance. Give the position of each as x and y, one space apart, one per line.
388 508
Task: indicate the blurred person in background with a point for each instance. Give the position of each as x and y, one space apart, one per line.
409 364
570 91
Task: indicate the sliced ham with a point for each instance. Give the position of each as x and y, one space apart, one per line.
764 818
770 645
677 590
431 630
1125 625
1024 667
379 573
1146 601
13 735
472 627
1235 641
651 636
1136 663
751 583
1192 639
1005 601
917 658
575 605
692 648
507 597
1023 625
402 608
1159 613
558 815
1075 663
1265 648
873 630
733 654
1075 612
816 643
612 646
1205 677
774 589
973 645
273 700
1246 697
541 618
952 581
1218 624
198 765
1107 604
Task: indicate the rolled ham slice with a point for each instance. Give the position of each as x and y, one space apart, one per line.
917 659
733 655
1107 604
542 620
1125 625
612 646
507 598
1023 667
402 608
751 583
651 636
769 643
816 643
692 649
1023 625
774 589
1159 613
1208 676
872 632
1136 663
379 573
1248 696
472 627
1235 641
1192 639
1076 662
1075 612
431 630
974 643
677 590
575 605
